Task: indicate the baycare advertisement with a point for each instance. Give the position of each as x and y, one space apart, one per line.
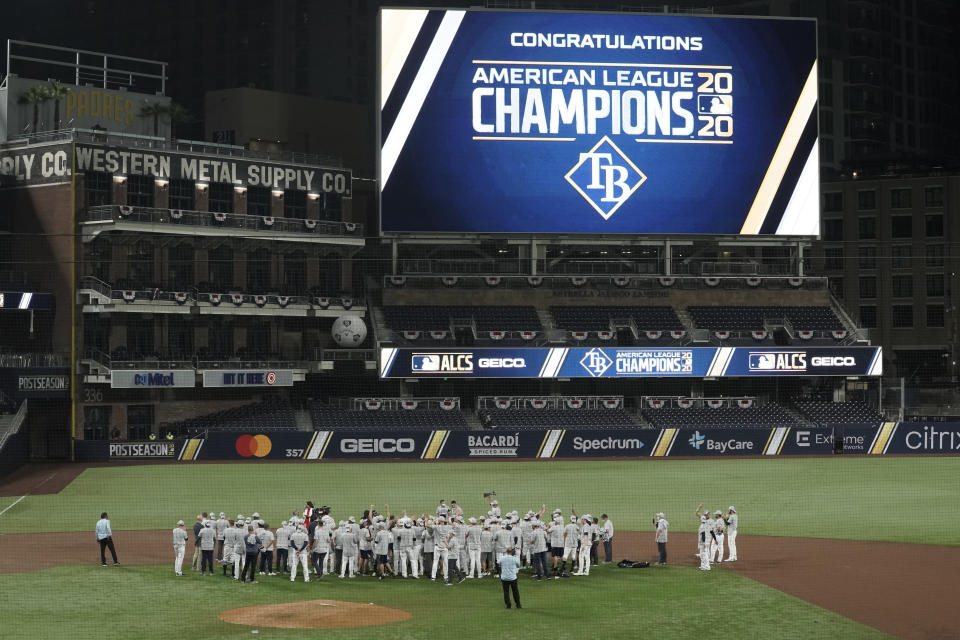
540 122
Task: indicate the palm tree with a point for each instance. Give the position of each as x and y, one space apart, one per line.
154 110
177 114
35 95
57 93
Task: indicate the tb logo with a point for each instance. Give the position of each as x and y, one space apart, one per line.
605 177
596 362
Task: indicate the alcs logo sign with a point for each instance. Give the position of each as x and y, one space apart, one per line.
605 177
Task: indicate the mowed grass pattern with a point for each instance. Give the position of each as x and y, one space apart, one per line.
883 499
668 602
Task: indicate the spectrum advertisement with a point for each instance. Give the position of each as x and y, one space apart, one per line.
526 122
626 362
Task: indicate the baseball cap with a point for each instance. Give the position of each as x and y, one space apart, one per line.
718 513
494 502
660 515
239 516
207 524
351 519
179 523
473 521
222 514
732 509
573 518
283 524
526 517
256 515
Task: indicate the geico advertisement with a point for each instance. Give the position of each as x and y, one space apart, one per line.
627 362
508 118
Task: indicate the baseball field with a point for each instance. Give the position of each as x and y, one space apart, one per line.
836 547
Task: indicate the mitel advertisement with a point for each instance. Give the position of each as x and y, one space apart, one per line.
627 362
152 379
548 122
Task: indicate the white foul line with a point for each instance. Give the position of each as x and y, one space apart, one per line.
13 505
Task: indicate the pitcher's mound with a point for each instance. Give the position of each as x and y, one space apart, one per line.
314 614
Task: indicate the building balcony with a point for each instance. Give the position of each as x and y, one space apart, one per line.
96 296
95 220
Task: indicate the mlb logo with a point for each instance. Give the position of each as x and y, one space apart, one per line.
762 362
715 104
425 362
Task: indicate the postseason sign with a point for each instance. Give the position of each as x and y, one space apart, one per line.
629 362
532 122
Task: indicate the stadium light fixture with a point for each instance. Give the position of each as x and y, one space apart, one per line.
313 195
161 182
277 193
202 186
119 177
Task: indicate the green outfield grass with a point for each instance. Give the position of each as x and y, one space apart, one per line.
668 602
836 497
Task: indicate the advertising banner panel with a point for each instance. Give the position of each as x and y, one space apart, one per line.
152 379
248 378
146 449
43 383
625 362
600 123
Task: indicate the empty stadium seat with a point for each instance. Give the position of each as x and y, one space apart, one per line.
556 418
825 412
271 415
324 417
765 415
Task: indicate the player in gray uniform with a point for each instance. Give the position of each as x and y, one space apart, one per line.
351 551
416 561
365 544
486 550
502 541
381 547
586 544
732 520
494 507
704 536
238 550
221 526
555 535
463 558
283 548
440 550
453 559
179 547
472 540
716 547
443 509
320 549
300 542
571 535
403 546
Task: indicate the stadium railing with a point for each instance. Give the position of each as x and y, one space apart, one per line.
214 219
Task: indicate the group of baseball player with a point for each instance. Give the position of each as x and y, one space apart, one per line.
714 529
313 543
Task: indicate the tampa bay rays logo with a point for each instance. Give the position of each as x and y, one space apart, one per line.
596 362
605 177
696 440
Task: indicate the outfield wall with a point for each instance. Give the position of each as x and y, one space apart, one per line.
343 445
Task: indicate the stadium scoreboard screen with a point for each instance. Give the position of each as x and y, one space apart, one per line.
598 123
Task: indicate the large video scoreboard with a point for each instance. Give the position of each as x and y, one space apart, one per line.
537 122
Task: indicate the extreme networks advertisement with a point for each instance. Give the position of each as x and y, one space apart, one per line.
625 362
525 122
